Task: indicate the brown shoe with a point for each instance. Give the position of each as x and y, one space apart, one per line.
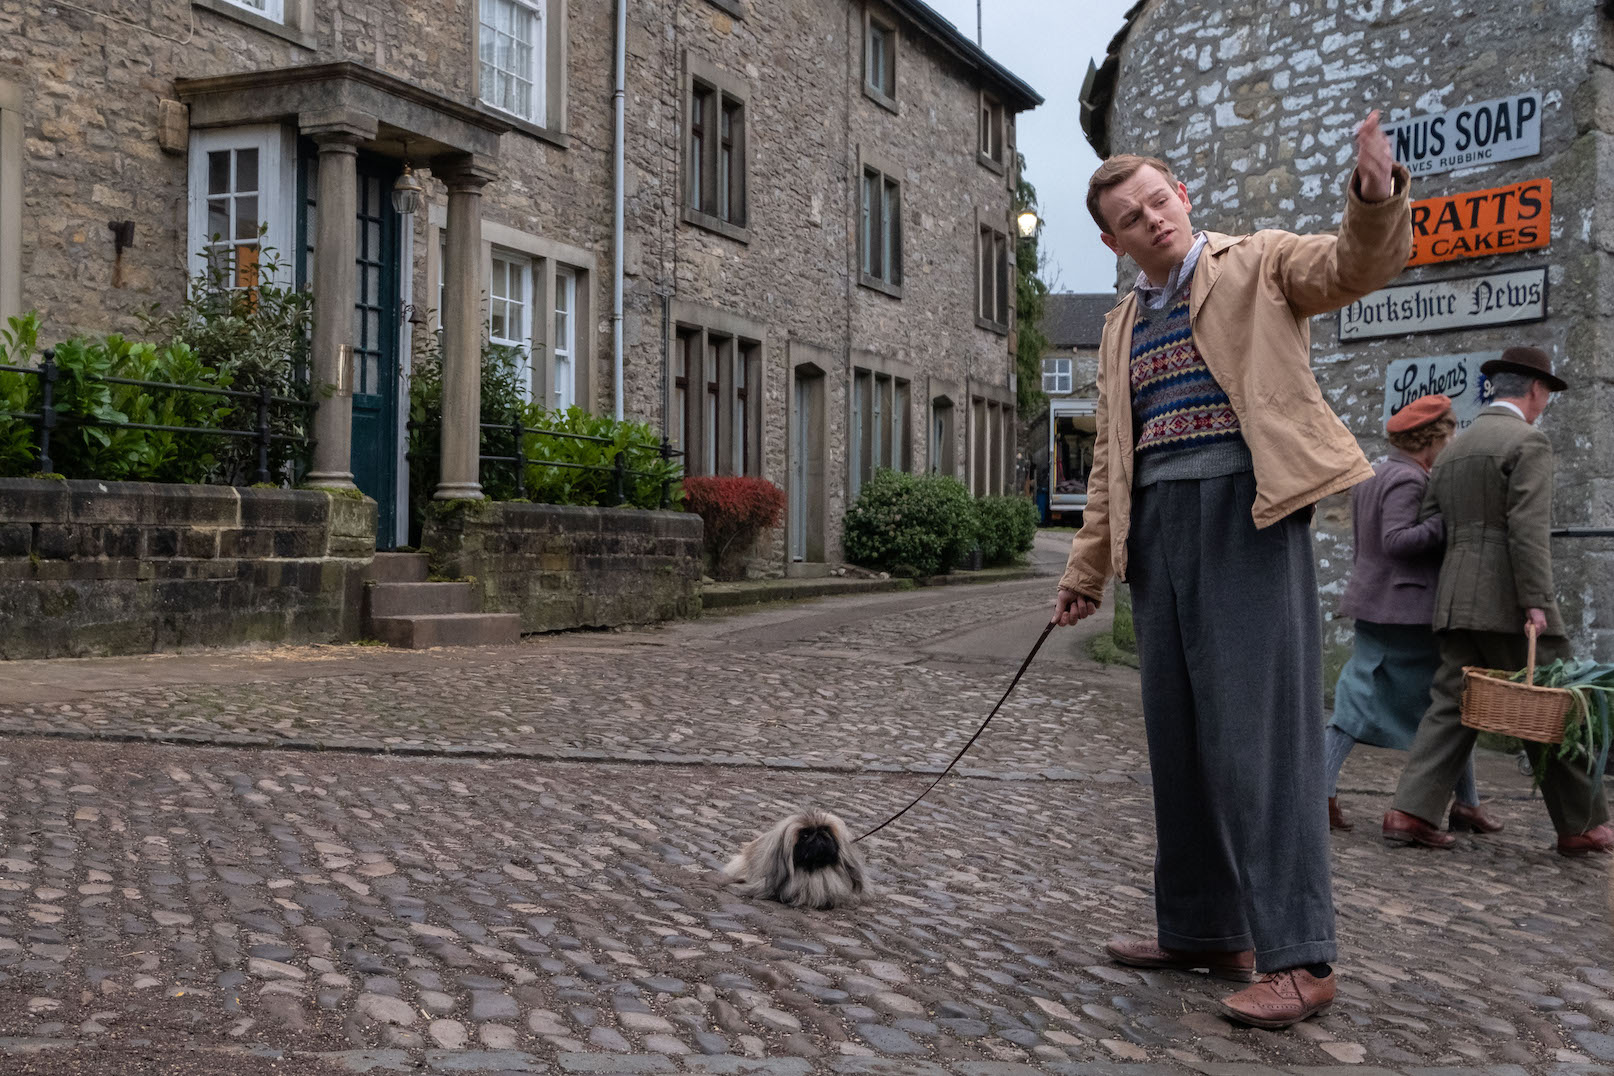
1473 819
1575 845
1281 999
1403 828
1238 967
1336 817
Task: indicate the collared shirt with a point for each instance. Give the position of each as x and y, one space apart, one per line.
1510 406
1155 298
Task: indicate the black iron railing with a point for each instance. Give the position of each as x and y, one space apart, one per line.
618 468
48 418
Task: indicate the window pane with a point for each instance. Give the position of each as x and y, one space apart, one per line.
218 218
246 170
869 234
218 172
888 219
246 218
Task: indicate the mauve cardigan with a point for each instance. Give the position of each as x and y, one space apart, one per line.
1397 559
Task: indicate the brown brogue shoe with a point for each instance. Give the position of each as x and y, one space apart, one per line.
1136 952
1336 817
1473 819
1403 828
1280 999
1575 845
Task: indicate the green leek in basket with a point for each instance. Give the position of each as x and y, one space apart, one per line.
1589 728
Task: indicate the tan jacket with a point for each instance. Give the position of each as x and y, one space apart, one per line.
1249 303
1493 487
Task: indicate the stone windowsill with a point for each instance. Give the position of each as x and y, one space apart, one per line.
999 327
553 135
296 35
731 7
738 233
882 286
988 162
879 98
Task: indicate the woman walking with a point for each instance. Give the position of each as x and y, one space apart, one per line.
1383 689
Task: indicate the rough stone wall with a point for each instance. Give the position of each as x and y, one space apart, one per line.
92 88
90 568
563 567
1255 105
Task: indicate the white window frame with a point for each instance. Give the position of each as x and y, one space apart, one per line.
537 105
519 265
564 348
274 10
1058 375
277 191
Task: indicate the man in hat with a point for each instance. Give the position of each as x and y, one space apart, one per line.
1214 444
1493 487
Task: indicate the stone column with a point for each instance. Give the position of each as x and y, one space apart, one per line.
462 330
338 135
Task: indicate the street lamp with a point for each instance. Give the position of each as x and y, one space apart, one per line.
1028 223
407 192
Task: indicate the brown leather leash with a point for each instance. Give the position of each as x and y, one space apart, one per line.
1024 665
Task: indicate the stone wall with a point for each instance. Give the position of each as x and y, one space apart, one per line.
562 567
1255 104
90 568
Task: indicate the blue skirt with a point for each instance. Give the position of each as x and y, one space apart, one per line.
1383 690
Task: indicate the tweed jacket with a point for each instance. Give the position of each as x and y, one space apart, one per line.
1493 487
1397 555
1250 301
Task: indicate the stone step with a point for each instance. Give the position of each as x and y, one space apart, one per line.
415 599
397 568
447 629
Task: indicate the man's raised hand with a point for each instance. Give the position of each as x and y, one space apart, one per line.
1374 161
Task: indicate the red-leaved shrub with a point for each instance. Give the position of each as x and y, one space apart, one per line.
734 510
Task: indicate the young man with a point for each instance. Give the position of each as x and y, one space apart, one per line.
1493 487
1213 444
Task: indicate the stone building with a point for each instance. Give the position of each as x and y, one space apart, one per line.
816 196
1504 112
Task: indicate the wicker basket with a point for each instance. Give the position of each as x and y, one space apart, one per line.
1493 704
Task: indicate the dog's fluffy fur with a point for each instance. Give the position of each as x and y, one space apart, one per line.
808 860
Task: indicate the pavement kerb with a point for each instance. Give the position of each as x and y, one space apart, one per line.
497 752
760 591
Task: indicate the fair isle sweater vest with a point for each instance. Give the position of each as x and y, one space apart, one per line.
1184 424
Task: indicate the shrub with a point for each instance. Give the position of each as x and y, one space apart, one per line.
910 524
503 400
733 510
1007 528
90 440
252 337
637 442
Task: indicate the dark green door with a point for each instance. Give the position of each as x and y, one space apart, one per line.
376 406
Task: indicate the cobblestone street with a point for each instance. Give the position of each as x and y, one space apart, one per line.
360 860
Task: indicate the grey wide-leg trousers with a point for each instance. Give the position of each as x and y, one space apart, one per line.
1229 643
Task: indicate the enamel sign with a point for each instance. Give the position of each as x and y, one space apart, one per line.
1456 376
1481 133
1499 220
1428 306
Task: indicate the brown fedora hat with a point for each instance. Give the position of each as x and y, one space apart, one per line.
1526 360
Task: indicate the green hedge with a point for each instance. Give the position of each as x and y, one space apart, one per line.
910 525
1007 528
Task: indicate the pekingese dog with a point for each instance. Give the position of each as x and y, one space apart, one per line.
807 861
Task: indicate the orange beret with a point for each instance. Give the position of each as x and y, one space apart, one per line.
1420 412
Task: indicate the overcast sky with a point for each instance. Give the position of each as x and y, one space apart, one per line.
1048 43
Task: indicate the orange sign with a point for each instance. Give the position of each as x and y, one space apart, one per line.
1500 220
